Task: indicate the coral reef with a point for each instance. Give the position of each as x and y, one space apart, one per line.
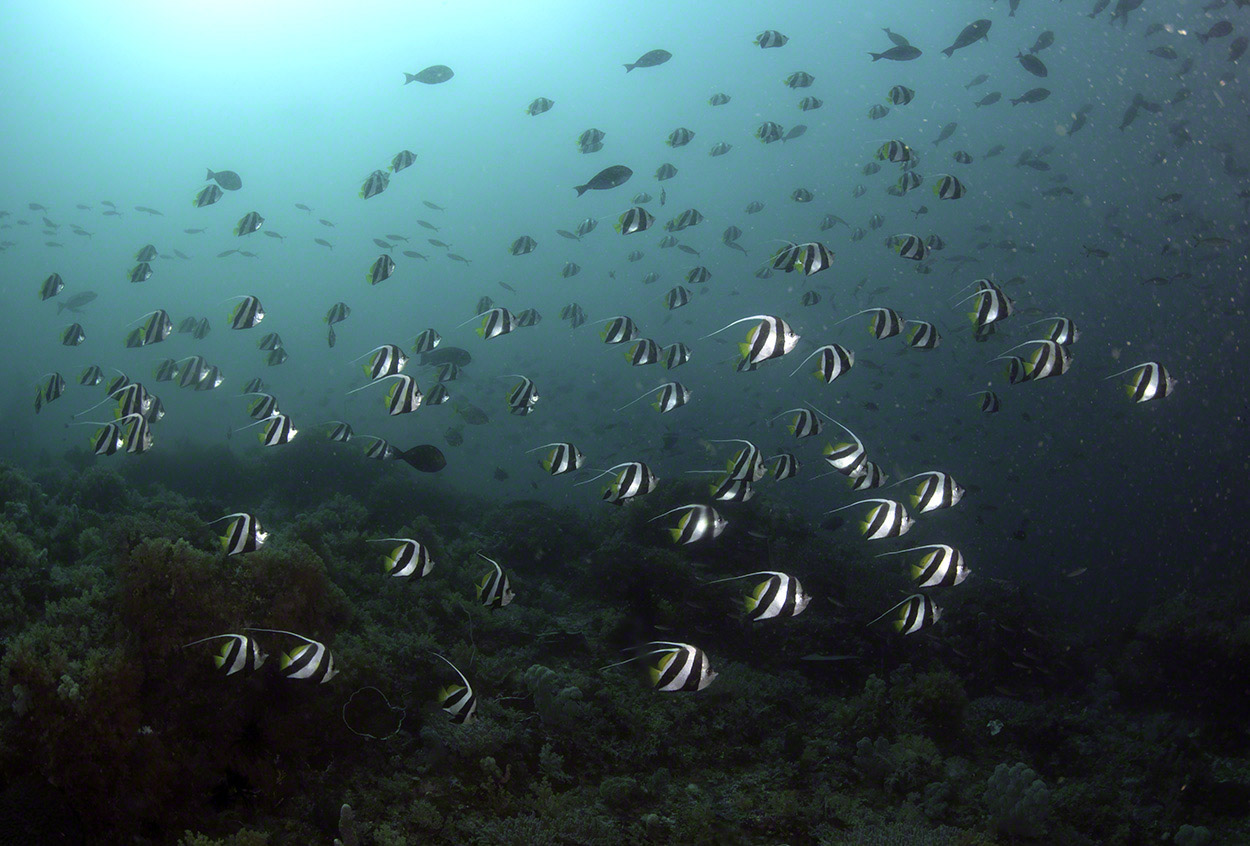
113 730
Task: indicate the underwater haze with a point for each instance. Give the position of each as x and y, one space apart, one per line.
564 423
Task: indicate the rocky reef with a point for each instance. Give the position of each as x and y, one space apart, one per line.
1004 723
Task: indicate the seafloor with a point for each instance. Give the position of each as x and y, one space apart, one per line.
1006 722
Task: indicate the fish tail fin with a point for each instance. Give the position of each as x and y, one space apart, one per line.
948 52
875 56
629 68
409 77
580 189
210 173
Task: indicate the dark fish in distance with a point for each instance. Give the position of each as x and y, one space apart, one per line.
500 474
898 53
76 302
971 34
447 355
432 75
1033 95
430 205
427 458
609 177
650 59
227 179
1032 64
898 40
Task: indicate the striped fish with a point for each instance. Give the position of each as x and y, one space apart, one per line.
786 466
1049 359
238 653
937 490
771 338
698 522
246 313
941 566
805 422
380 449
835 360
91 376
947 187
872 477
914 613
847 458
403 397
248 224
619 330
634 220
107 440
242 533
886 519
682 667
494 591
633 479
458 700
278 430
166 371
339 431
495 322
563 458
676 355
408 558
644 351
263 408
921 335
1150 379
310 660
384 360
1062 330
989 404
885 322
992 304
729 489
523 396
671 395
780 595
747 463
426 342
676 298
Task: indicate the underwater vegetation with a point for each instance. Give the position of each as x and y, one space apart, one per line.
817 730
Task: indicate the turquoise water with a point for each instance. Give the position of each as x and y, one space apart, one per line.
1135 230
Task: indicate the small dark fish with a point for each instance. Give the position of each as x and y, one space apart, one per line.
947 132
447 355
898 40
898 53
323 242
1032 64
432 75
325 222
1033 95
508 287
227 179
500 474
609 177
970 34
434 206
650 59
415 254
427 458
